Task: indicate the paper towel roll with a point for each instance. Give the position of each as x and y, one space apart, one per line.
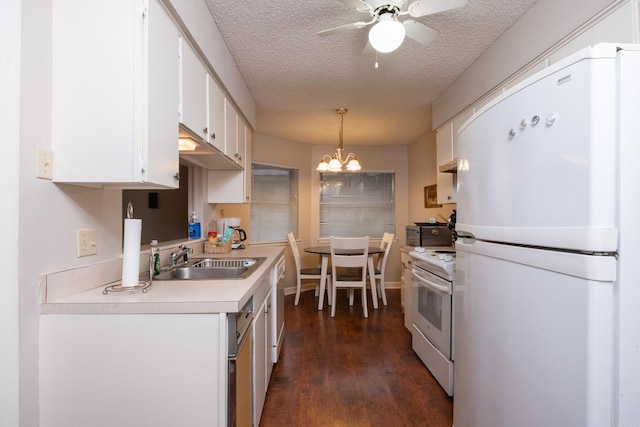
131 252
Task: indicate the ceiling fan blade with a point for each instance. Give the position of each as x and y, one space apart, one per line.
419 32
427 7
343 28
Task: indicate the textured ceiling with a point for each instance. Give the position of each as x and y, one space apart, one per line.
299 78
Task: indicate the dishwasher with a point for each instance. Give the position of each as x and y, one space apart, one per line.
240 366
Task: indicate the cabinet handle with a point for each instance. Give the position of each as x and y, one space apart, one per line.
213 135
235 155
176 176
205 130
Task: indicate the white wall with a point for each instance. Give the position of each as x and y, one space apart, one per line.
423 169
10 12
305 158
547 22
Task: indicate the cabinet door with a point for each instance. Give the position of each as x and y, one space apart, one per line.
269 324
240 158
215 114
114 94
260 360
444 154
230 130
444 144
407 295
226 186
161 142
193 111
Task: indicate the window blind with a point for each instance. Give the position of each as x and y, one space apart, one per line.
274 202
357 204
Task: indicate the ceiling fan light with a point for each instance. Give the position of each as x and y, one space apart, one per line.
387 35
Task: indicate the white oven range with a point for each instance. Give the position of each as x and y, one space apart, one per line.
433 279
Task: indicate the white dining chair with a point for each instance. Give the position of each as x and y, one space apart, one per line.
306 273
349 271
381 262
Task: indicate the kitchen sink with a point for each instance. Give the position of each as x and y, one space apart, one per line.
214 269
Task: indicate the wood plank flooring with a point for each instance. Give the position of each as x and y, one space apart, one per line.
351 371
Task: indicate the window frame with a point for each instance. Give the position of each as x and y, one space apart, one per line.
360 218
292 204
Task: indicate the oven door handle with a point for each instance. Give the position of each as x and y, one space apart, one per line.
429 284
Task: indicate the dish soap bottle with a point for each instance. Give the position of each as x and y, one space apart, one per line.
155 257
194 227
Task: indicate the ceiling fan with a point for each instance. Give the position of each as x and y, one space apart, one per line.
388 32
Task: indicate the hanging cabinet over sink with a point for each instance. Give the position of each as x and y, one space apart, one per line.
208 117
115 94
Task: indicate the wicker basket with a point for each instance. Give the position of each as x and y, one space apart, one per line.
217 248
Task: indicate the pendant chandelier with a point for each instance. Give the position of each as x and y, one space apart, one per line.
336 162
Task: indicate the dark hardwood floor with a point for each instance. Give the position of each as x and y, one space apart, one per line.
351 371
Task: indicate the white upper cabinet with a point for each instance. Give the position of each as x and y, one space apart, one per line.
115 94
243 131
230 131
215 114
444 144
445 155
193 91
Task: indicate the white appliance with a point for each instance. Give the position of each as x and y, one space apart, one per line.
433 276
547 296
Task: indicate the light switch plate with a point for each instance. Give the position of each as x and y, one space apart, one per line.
44 163
87 242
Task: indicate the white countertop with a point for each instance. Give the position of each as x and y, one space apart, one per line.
175 296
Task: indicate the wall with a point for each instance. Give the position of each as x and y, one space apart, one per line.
547 22
422 172
50 214
10 27
304 157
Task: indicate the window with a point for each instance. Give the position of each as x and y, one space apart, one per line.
357 204
274 202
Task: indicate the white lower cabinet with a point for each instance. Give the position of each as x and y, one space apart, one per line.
407 290
262 346
130 370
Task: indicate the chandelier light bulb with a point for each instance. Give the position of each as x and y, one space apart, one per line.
387 35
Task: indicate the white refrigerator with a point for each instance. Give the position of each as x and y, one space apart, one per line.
547 292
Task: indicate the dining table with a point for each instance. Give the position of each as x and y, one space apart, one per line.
325 255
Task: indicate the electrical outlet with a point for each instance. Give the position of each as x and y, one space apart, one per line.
44 163
87 242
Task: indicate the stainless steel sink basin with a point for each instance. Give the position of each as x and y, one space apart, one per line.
214 269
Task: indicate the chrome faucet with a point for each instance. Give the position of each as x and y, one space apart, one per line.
182 252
